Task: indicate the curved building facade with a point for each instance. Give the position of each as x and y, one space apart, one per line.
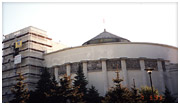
101 56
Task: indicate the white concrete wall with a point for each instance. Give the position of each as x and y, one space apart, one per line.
137 76
96 79
174 81
156 80
112 50
56 46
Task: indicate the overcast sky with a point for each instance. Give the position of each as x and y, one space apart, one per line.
74 23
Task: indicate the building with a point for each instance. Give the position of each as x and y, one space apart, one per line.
100 57
34 44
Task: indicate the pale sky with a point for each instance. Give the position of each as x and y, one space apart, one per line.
75 23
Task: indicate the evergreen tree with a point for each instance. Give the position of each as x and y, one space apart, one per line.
42 92
118 94
20 92
93 96
77 97
53 98
135 95
65 90
168 98
34 97
80 82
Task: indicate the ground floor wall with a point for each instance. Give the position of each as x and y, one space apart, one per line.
30 73
100 73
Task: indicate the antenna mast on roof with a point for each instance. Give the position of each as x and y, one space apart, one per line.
104 25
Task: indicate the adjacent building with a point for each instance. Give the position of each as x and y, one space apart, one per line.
33 44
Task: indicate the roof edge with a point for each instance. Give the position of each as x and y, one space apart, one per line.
99 44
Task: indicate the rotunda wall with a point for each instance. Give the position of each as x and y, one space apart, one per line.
112 50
